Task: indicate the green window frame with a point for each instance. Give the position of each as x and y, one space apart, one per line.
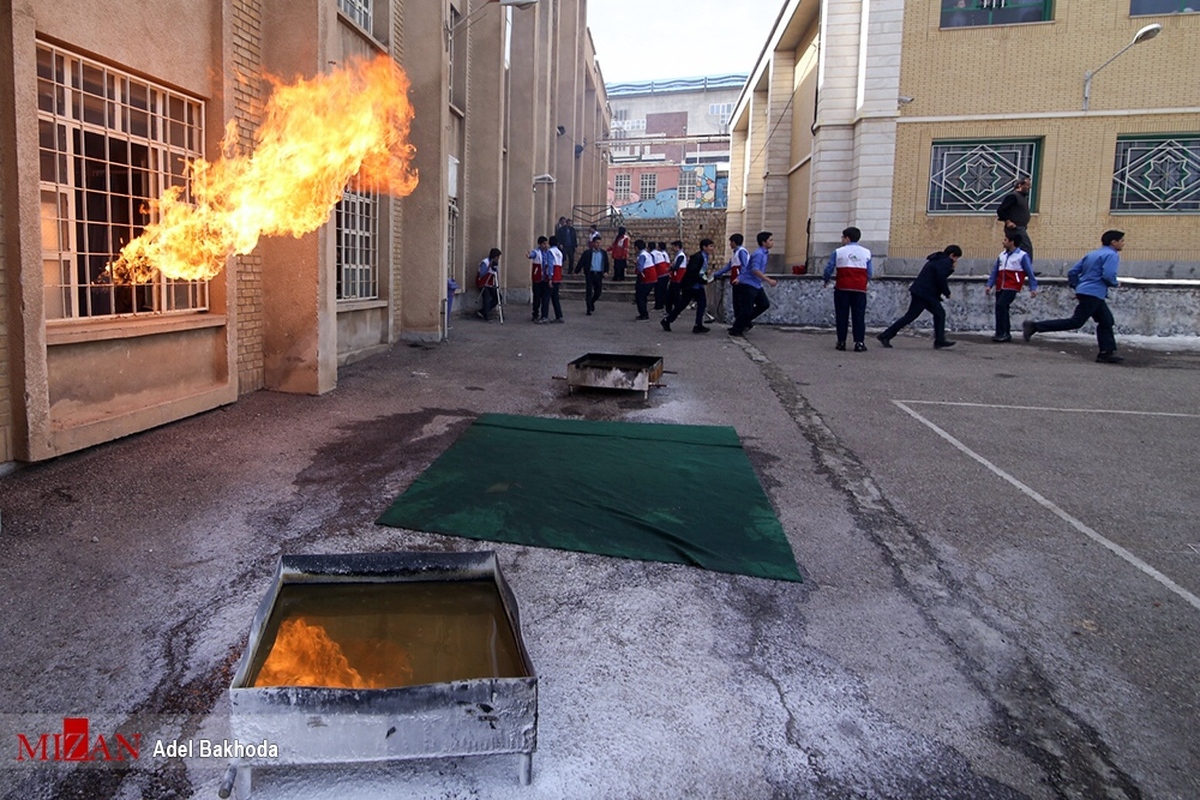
1142 8
972 176
1157 174
975 13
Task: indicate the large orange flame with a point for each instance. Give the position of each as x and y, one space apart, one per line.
316 135
304 655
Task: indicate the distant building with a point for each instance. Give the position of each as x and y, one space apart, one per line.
911 121
669 144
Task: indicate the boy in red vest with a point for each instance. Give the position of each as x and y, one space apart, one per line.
1012 268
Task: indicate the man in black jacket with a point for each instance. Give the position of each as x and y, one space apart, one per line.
1014 213
593 264
927 292
692 288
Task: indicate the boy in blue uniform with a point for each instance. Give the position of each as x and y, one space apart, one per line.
1090 279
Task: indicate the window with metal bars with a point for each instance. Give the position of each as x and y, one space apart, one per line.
357 267
109 143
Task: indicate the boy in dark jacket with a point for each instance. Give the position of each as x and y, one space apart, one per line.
927 292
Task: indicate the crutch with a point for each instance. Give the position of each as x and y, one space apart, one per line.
499 298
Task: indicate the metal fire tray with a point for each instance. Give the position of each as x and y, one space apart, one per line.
615 371
476 702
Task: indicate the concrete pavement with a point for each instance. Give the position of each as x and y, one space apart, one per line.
997 582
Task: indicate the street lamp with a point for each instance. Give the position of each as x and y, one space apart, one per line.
450 31
1148 32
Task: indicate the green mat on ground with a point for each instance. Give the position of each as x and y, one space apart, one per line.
683 494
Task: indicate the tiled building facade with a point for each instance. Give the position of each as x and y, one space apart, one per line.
102 105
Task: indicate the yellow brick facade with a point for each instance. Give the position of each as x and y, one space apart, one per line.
1026 81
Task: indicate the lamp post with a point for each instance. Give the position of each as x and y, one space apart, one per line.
1148 32
462 23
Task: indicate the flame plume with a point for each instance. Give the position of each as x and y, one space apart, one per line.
316 135
305 655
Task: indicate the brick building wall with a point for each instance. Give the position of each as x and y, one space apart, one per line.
692 225
957 97
248 102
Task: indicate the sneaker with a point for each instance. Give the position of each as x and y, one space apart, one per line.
884 341
734 332
1109 357
666 326
709 318
481 315
589 313
1027 330
640 317
559 320
944 343
840 346
700 329
541 321
1001 339
860 347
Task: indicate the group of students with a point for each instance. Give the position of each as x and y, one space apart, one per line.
1091 278
676 281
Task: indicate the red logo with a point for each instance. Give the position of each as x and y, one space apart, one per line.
76 744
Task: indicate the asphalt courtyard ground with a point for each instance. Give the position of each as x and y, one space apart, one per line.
999 546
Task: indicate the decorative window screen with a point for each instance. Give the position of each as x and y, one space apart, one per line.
1157 174
972 177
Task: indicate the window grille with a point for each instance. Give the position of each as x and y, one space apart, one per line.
359 11
972 177
964 13
357 244
1157 174
109 143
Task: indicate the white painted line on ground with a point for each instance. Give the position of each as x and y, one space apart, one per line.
1051 408
1061 514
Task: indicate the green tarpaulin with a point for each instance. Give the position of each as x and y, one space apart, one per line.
683 494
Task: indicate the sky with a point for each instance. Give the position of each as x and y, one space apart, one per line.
691 38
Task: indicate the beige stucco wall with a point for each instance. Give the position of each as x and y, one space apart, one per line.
61 366
958 79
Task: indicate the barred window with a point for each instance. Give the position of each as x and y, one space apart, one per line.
965 13
1139 8
109 143
1157 174
622 185
359 11
972 177
357 244
648 185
